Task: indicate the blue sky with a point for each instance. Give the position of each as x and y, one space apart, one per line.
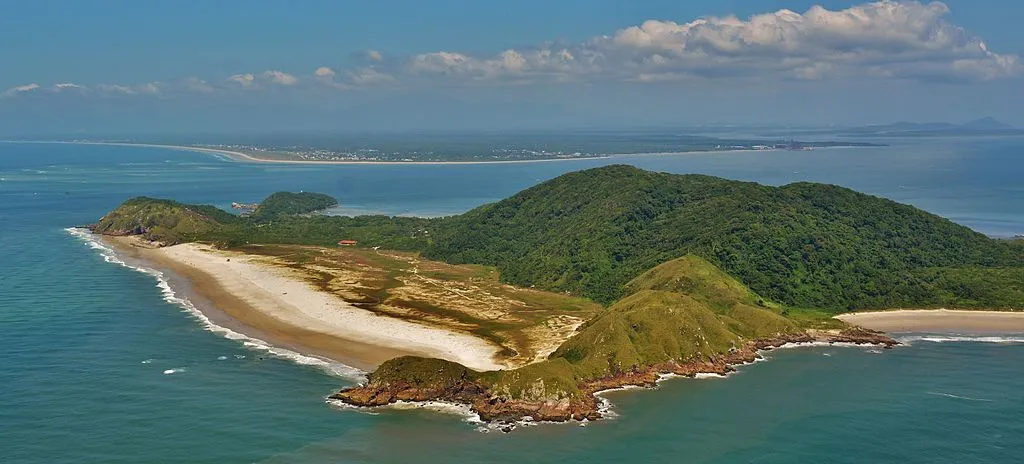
176 66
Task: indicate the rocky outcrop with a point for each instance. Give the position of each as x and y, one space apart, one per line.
406 380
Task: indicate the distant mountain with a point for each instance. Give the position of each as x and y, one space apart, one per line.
988 123
983 126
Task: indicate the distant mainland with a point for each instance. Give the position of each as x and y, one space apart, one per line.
466 148
598 279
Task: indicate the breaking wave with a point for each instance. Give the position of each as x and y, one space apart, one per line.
169 295
953 338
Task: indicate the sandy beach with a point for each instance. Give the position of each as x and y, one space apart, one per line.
287 311
938 320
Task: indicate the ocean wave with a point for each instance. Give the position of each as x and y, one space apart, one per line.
953 338
967 398
169 295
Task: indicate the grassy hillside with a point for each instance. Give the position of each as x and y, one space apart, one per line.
685 311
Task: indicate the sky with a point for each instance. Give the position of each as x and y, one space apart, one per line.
160 66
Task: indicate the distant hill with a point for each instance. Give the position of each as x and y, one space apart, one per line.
979 127
988 123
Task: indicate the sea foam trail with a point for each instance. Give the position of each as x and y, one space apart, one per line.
170 296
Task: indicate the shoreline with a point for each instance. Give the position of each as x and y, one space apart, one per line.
245 157
938 320
260 300
590 405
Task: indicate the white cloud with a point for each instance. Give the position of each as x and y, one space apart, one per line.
244 80
886 39
324 72
151 88
280 78
14 91
893 39
67 86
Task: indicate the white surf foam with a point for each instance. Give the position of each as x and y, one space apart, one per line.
169 295
953 338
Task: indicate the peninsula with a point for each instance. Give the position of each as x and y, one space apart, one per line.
596 279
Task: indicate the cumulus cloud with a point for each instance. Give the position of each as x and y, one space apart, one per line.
14 91
324 72
244 80
886 39
280 78
881 39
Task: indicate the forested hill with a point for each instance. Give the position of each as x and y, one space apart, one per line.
804 245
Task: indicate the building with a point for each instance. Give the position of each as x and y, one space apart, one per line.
347 242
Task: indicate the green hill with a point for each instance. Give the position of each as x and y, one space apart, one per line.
164 221
684 316
289 204
804 245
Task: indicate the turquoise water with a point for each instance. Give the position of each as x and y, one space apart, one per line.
98 365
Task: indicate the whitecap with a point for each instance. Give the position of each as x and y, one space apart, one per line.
221 358
169 295
174 371
146 361
950 395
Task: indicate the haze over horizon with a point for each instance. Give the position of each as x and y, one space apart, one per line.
124 67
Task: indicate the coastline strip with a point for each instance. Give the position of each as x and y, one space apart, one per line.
287 311
246 157
938 320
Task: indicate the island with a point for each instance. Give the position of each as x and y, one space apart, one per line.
597 279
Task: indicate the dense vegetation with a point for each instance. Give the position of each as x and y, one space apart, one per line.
288 203
804 245
591 232
163 220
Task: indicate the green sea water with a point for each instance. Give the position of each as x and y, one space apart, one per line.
104 363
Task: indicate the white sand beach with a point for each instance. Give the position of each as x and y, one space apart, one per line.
287 309
938 320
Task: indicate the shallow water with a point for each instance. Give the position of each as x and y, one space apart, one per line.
99 366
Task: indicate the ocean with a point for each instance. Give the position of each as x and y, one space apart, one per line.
109 363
